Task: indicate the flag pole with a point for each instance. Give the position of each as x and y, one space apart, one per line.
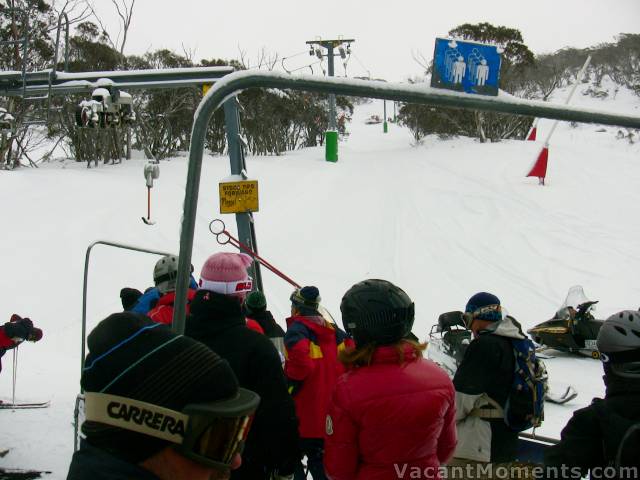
539 168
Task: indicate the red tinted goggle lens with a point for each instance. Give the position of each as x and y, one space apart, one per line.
223 439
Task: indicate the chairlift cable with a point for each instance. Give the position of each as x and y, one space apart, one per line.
290 56
304 66
361 64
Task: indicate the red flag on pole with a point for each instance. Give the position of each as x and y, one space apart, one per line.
532 134
539 168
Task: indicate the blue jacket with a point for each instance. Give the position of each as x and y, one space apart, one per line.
151 296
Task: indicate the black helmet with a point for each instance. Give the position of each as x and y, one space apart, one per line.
619 343
377 311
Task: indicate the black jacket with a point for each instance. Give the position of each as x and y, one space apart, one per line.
592 436
487 368
268 323
90 463
217 321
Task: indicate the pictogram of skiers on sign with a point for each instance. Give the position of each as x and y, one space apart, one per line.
466 66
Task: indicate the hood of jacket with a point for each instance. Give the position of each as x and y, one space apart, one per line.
316 323
170 298
507 327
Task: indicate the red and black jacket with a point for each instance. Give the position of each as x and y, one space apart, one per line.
312 345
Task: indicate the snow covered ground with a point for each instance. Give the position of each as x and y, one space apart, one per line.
442 220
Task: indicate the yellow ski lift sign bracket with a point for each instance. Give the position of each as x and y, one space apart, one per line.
239 197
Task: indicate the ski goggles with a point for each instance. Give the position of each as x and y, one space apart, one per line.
491 313
211 433
627 356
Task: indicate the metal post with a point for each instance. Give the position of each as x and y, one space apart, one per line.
332 96
128 154
331 135
385 127
244 221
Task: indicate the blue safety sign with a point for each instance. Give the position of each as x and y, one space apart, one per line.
466 66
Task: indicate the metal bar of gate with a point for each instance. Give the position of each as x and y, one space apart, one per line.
85 284
86 278
232 84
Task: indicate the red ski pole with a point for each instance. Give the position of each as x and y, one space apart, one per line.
218 228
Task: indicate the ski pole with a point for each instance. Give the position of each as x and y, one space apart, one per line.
218 228
15 374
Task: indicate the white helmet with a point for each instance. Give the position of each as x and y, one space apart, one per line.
165 273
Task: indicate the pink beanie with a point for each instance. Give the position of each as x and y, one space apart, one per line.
226 273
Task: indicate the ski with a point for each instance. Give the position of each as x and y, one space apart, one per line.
3 452
544 356
17 406
21 474
566 396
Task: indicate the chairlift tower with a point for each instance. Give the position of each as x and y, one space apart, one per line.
331 137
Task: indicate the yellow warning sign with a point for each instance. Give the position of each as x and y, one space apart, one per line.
239 197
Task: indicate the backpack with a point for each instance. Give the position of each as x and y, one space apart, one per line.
525 403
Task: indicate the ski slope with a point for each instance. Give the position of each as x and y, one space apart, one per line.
442 220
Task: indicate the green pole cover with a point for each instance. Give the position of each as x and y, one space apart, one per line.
331 142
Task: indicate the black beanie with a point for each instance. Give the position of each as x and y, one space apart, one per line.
134 357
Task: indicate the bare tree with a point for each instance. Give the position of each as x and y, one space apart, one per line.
264 59
124 9
421 60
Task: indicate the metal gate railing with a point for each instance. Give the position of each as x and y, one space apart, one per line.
233 83
85 286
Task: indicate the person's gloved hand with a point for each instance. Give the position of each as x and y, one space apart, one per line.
22 328
18 328
35 335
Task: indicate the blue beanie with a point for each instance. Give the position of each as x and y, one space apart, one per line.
484 299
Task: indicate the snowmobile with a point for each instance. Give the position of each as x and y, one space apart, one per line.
448 341
573 328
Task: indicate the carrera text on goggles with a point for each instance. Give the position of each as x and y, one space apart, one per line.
209 433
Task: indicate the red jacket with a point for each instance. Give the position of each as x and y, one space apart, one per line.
388 420
163 311
5 341
311 363
255 326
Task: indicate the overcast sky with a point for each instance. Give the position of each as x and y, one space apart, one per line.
388 33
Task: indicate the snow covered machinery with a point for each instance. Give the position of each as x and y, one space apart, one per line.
7 122
108 107
573 328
